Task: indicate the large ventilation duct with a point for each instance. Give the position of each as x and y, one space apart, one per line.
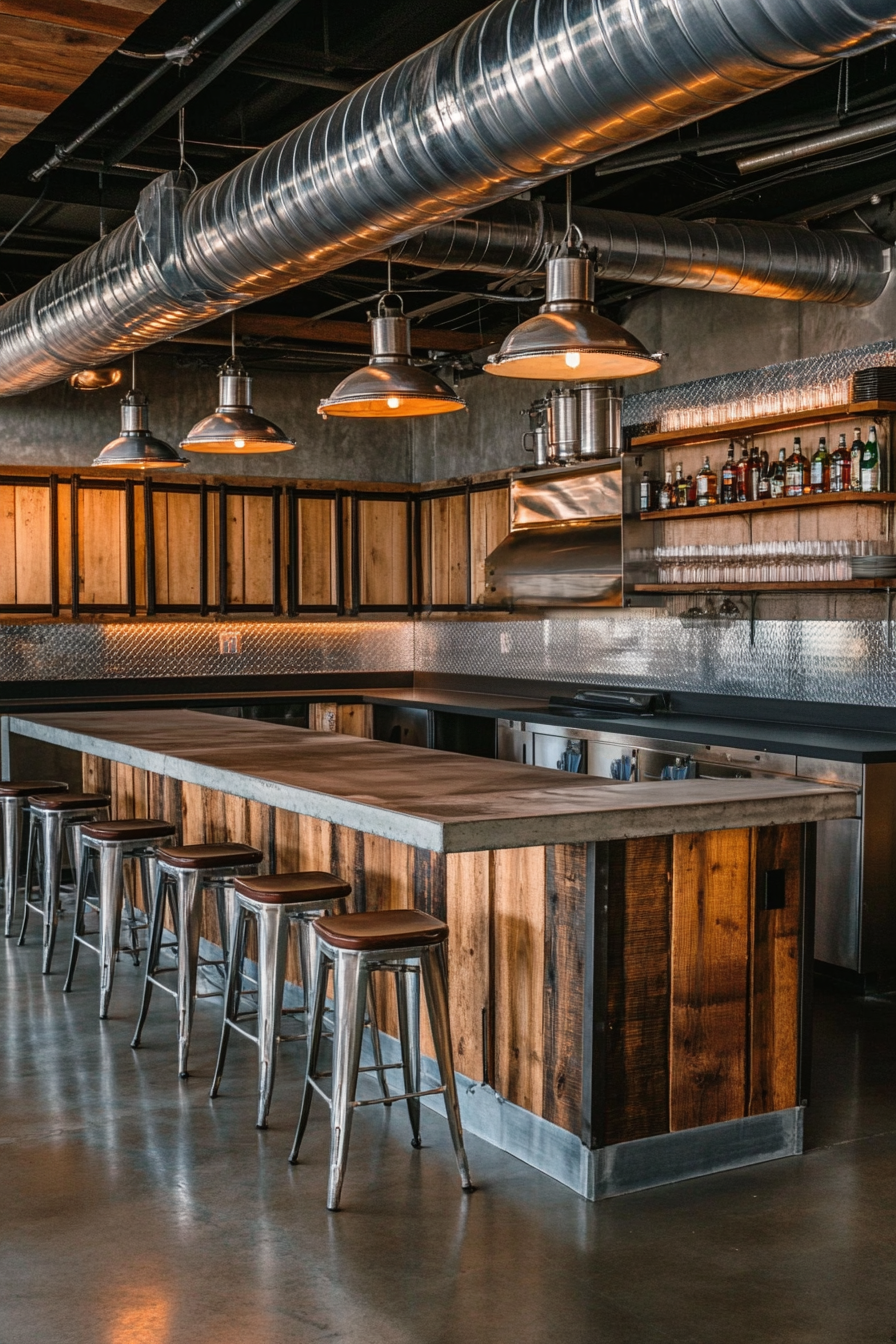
770 261
521 92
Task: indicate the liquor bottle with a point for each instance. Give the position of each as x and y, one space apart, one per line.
820 469
871 464
779 475
840 466
667 493
707 485
692 492
680 496
765 477
797 472
743 476
753 473
855 460
647 493
729 478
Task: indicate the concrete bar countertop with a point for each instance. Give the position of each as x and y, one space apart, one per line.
435 800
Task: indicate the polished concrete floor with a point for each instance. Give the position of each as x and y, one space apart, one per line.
136 1211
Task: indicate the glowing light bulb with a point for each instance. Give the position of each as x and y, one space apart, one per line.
393 403
239 443
573 359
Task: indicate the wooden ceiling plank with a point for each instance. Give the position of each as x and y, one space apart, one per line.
79 14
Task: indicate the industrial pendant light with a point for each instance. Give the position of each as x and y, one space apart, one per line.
234 427
391 385
567 339
135 446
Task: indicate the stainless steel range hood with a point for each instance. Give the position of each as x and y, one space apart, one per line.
575 539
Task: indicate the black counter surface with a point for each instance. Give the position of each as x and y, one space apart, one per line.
822 731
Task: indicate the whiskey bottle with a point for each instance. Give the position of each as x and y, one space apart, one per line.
871 464
855 460
667 493
647 493
729 478
765 477
707 486
692 492
797 472
820 469
840 466
679 485
753 473
779 475
743 476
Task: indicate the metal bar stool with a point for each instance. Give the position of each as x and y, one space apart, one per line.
14 800
274 902
405 942
55 820
106 845
183 872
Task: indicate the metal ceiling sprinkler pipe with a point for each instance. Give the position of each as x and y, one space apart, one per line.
817 144
520 93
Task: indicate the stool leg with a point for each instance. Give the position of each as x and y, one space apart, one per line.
153 949
315 1022
434 968
273 937
407 991
52 875
111 902
30 864
350 981
78 922
12 848
189 913
373 1019
231 993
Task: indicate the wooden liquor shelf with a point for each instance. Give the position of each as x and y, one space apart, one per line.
763 424
759 505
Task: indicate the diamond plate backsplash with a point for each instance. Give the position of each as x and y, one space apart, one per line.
644 407
833 661
191 649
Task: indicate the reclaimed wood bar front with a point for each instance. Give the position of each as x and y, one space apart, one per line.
626 960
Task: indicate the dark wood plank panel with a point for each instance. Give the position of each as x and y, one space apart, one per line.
468 898
639 933
519 934
711 900
564 973
774 1015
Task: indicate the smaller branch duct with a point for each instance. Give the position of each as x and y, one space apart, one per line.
770 261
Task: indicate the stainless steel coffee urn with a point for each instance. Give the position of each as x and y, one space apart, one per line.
600 420
563 425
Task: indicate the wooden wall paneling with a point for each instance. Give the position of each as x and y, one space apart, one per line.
162 567
64 543
389 885
96 774
518 889
638 987
327 716
164 800
322 716
235 524
430 883
425 597
317 561
564 974
212 523
182 549
8 554
774 997
344 594
468 902
382 544
32 532
257 551
448 544
489 525
102 554
711 925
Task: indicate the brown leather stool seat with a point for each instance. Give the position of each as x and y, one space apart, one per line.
15 789
195 857
134 828
373 930
292 888
61 802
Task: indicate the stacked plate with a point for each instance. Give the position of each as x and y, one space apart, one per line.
873 566
878 384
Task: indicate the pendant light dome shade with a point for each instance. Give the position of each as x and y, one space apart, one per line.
391 385
567 339
234 427
135 447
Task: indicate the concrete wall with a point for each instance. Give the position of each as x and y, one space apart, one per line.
60 426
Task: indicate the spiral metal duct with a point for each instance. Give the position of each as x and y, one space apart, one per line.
770 261
521 92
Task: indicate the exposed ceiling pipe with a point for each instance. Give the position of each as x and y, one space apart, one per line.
818 144
521 92
770 261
